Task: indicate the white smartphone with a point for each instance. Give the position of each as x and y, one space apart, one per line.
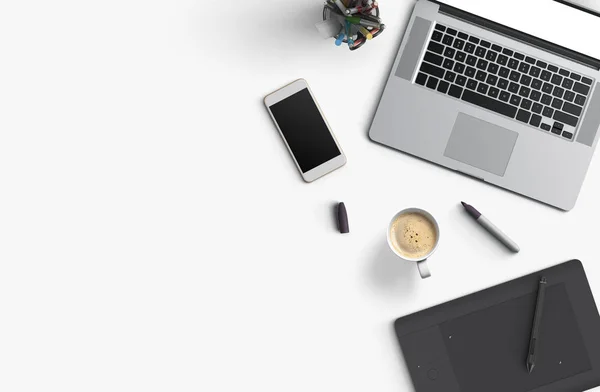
305 131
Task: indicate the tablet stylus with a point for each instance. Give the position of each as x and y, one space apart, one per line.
537 318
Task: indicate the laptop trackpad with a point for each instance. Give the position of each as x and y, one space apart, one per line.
481 144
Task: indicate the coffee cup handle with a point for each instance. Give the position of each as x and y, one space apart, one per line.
423 269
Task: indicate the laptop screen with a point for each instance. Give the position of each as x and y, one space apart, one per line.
553 21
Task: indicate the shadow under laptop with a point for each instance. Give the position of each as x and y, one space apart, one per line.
390 275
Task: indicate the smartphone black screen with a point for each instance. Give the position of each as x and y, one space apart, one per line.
305 130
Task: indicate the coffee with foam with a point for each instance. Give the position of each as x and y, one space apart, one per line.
413 235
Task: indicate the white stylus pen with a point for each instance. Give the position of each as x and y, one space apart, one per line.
491 228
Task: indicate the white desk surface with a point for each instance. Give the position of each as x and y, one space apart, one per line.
156 236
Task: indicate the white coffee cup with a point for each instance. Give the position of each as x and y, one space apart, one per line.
422 259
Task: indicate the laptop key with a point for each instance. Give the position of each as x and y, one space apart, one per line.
460 56
463 35
572 109
475 40
535 120
548 112
458 44
526 80
471 60
447 40
519 56
514 76
546 76
482 64
530 60
537 108
433 58
575 76
485 44
443 87
437 36
502 59
541 64
421 79
546 99
556 79
586 80
567 135
547 88
480 51
482 88
432 82
448 64
491 55
523 115
471 84
557 103
581 88
558 125
535 72
450 76
556 131
470 72
469 47
440 27
432 70
489 103
552 68
460 80
497 48
491 80
504 96
513 64
535 95
526 104
567 83
455 91
493 68
564 72
451 31
493 92
449 52
459 68
503 83
504 72
524 91
507 52
480 75
580 100
569 96
515 100
435 47
546 127
524 67
558 92
513 87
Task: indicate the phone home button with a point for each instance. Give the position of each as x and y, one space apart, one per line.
432 374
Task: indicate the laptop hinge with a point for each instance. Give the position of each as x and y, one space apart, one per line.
519 35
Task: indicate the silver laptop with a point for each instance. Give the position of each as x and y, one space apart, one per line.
493 102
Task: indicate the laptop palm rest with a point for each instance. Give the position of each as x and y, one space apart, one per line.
481 144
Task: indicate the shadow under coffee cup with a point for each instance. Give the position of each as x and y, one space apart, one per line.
413 235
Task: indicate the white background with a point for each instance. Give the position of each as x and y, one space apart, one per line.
156 236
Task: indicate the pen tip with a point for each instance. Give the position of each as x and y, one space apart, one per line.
463 203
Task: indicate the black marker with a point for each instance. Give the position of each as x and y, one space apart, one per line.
535 331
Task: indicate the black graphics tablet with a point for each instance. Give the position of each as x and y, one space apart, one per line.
479 343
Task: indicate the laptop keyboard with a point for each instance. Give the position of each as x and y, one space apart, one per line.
499 79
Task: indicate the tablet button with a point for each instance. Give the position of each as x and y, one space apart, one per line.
432 374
